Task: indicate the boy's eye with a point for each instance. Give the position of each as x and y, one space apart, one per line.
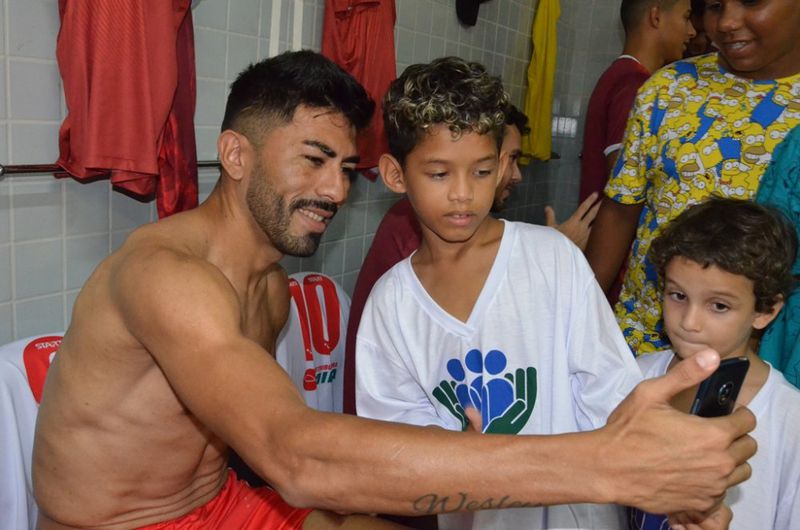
484 172
713 6
719 307
677 296
437 176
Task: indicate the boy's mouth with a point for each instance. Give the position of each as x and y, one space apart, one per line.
460 218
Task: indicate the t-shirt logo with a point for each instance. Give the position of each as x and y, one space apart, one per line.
37 356
505 400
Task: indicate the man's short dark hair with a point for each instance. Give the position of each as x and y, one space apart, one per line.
447 91
738 236
518 119
632 12
270 91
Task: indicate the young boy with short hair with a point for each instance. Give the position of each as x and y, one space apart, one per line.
488 314
726 267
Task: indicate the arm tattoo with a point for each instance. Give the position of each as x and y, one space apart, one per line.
432 503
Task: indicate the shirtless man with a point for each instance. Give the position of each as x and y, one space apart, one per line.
166 365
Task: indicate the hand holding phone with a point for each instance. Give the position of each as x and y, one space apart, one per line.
717 395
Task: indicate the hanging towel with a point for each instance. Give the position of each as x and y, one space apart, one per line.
780 187
541 73
358 35
129 83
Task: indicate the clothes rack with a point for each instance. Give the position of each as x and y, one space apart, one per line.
43 169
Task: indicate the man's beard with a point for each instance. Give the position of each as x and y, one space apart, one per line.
273 217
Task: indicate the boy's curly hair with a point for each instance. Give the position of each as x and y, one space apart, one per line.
449 91
738 236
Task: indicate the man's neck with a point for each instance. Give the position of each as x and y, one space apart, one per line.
645 50
236 245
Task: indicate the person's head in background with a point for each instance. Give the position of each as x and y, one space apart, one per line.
726 267
445 123
659 29
288 135
700 44
516 127
757 39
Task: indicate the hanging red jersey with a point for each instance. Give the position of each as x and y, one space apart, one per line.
129 83
358 35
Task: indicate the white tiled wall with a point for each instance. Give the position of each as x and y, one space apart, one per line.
53 232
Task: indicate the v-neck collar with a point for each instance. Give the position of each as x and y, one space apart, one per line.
495 277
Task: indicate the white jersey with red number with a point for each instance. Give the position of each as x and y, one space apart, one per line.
540 353
311 346
23 367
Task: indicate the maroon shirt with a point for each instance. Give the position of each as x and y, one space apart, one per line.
606 119
397 237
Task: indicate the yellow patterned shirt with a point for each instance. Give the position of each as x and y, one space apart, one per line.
696 130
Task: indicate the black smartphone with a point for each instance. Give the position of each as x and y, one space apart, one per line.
717 395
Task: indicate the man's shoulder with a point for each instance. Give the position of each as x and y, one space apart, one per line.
622 71
162 262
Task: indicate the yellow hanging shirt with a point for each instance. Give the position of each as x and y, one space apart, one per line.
541 73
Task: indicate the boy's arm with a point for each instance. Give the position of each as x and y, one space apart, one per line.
611 237
386 387
601 364
386 390
189 315
397 236
615 225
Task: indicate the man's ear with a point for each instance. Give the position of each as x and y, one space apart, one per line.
392 173
502 166
762 320
231 147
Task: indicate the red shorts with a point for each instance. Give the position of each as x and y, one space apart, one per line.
240 507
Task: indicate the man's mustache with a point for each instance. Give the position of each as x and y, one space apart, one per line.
311 203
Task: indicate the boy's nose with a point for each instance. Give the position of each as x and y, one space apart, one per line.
691 318
461 189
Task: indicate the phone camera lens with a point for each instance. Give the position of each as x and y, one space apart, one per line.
725 393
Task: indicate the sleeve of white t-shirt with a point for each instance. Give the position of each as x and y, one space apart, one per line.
386 388
602 368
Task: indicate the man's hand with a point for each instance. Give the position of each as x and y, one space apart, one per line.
718 519
664 461
579 225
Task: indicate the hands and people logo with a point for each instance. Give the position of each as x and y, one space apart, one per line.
504 400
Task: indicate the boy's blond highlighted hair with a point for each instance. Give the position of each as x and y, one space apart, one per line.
449 91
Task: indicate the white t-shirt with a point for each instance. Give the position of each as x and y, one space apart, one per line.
540 353
770 499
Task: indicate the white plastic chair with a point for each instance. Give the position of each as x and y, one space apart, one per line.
311 346
23 367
